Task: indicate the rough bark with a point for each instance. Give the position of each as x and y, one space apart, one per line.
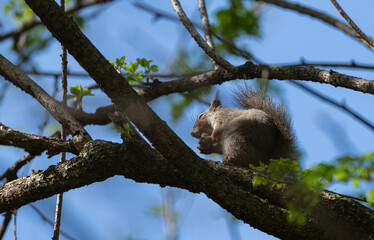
34 144
116 87
21 80
230 187
253 71
176 165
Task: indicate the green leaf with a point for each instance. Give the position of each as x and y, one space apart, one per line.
143 62
356 182
118 63
300 220
132 67
154 68
257 181
125 130
370 195
6 8
122 60
69 96
76 89
131 78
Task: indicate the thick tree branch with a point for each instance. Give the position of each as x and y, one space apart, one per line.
34 144
252 71
321 16
112 83
199 40
21 80
80 5
100 117
190 83
230 187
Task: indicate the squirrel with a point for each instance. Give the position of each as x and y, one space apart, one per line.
257 134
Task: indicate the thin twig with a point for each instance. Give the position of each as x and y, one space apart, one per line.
49 221
353 24
159 13
335 103
15 224
21 80
199 40
6 221
207 29
12 171
64 86
353 64
319 15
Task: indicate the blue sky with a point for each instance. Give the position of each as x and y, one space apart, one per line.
118 208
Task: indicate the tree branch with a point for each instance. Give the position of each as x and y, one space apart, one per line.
230 187
6 221
21 80
334 103
34 144
45 219
252 71
353 24
117 89
159 13
27 26
353 64
11 173
199 40
321 16
207 29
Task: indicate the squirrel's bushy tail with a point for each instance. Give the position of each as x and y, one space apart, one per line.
248 98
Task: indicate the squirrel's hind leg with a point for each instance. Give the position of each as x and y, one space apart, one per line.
240 152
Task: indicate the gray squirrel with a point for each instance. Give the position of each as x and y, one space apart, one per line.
259 133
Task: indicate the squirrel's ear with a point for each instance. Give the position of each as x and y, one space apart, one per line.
216 102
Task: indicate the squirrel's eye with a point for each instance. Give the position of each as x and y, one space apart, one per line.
200 116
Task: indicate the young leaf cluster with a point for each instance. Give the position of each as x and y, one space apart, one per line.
125 130
306 186
278 171
237 20
77 93
130 71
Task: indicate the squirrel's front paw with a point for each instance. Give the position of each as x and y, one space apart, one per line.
206 145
